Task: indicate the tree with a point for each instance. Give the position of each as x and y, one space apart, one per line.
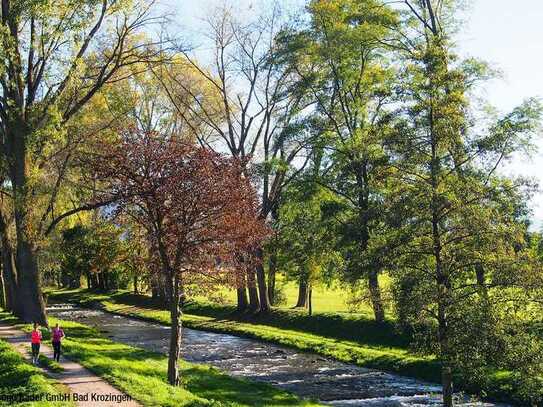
94 251
343 71
305 241
458 231
198 208
55 57
256 119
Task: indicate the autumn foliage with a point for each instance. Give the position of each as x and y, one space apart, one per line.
198 208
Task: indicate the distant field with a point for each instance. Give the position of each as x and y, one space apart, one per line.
325 299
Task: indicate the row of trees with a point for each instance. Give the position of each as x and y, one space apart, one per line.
353 132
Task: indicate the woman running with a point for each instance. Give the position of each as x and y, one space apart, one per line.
35 340
56 338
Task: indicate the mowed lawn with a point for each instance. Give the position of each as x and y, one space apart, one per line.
326 299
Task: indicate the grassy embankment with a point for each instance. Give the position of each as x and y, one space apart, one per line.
142 374
19 380
346 337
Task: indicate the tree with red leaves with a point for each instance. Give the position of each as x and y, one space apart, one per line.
199 210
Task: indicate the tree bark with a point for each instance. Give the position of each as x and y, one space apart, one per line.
261 281
2 290
444 298
362 180
375 295
310 300
241 291
447 383
8 269
243 303
302 294
10 278
33 306
442 277
254 303
26 260
272 268
175 331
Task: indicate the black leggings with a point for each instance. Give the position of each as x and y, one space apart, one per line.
35 350
56 351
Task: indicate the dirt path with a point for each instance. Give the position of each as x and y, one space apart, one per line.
80 381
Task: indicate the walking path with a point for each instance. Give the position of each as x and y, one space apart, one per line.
80 381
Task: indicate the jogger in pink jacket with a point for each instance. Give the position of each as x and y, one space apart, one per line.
35 340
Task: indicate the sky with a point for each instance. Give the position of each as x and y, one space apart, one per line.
506 33
509 34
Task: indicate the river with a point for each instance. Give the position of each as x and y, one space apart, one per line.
305 374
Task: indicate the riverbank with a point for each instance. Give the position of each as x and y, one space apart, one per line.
142 374
352 339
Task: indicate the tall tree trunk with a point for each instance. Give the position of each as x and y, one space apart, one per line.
155 287
136 284
12 301
442 277
243 302
241 291
94 280
272 269
444 298
302 294
375 295
26 260
175 331
362 180
254 303
2 290
10 278
33 306
310 300
443 337
100 281
261 281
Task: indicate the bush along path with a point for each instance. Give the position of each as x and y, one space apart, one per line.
85 388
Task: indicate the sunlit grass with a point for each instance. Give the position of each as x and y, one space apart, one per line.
20 379
348 337
325 299
142 374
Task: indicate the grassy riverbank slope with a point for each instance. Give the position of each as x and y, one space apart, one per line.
142 374
349 338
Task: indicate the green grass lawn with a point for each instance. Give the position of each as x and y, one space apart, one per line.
325 299
19 379
353 338
142 374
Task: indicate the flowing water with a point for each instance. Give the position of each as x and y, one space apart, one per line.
305 374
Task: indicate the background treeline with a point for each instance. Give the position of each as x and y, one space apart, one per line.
364 133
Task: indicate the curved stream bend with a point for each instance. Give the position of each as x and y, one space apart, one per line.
305 374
